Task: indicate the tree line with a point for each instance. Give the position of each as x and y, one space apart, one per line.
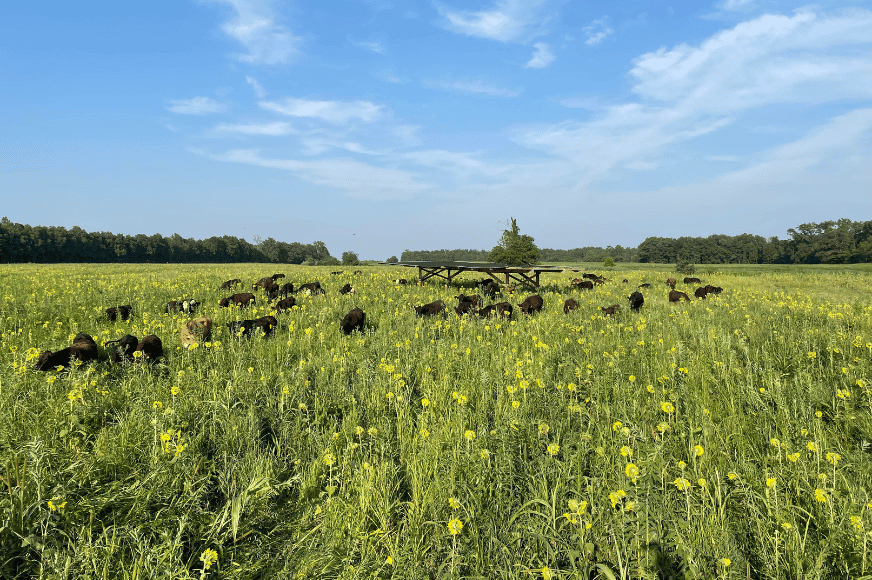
41 244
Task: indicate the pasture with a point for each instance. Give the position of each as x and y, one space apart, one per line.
721 438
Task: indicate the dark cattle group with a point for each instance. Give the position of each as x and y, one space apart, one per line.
113 313
83 349
186 305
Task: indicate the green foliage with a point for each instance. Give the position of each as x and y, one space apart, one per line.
328 261
350 259
392 260
514 249
685 267
608 262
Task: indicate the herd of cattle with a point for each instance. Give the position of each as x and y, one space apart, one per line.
150 348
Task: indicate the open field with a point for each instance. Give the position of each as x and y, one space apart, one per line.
722 438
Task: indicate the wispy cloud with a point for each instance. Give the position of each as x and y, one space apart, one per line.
508 21
736 5
476 86
336 112
277 129
254 26
542 57
597 31
195 106
258 89
356 179
373 46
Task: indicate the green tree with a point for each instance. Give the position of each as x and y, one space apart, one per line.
392 260
350 259
514 249
608 262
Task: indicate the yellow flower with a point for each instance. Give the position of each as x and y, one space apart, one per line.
452 501
733 475
698 450
626 451
616 425
667 407
770 482
616 496
455 526
833 457
470 435
681 465
631 378
359 430
725 562
682 484
329 459
793 457
547 574
553 449
208 557
485 454
516 404
650 389
820 495
775 442
372 431
811 446
424 433
632 471
786 526
389 561
857 522
425 402
819 414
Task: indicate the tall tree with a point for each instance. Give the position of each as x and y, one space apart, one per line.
514 249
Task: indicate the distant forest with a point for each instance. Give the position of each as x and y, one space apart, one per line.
831 242
40 244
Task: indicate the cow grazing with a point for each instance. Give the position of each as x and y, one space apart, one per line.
186 305
151 348
281 292
645 285
83 349
499 309
285 304
570 305
713 289
636 301
122 348
611 310
114 312
347 289
475 299
465 308
425 310
277 276
671 283
196 331
676 296
356 272
352 321
243 299
311 288
689 280
599 281
531 304
700 292
244 328
401 282
230 283
590 276
490 289
337 273
583 284
263 282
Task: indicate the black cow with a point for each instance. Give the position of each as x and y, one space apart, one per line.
676 296
499 309
713 289
689 280
230 283
151 348
590 276
186 305
283 291
645 285
700 292
263 282
113 312
352 321
531 304
475 299
465 308
347 289
243 299
285 304
311 288
489 287
356 272
425 310
611 310
636 301
583 284
83 349
337 273
277 276
244 328
570 305
122 348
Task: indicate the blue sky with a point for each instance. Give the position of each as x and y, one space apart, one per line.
378 126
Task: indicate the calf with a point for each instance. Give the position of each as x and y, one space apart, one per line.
583 284
196 331
83 349
570 305
122 348
230 283
499 309
186 305
114 312
352 321
475 299
244 328
150 347
676 296
689 280
243 299
285 304
347 289
531 304
671 283
311 288
636 301
611 310
437 307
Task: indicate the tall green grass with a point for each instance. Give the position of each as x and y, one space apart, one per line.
726 437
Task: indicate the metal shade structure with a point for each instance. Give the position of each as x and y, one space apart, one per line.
501 273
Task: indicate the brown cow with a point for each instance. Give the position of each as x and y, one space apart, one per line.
437 307
244 328
499 309
230 283
196 331
277 276
671 283
285 304
531 304
676 296
688 280
570 305
636 301
475 299
465 308
114 312
83 349
645 285
352 321
611 310
700 292
151 348
583 284
243 299
263 282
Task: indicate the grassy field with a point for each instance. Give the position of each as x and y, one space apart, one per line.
722 438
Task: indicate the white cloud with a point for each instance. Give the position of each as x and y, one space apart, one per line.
258 89
254 26
736 4
597 31
195 106
358 180
508 21
277 129
476 86
336 112
374 46
542 57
